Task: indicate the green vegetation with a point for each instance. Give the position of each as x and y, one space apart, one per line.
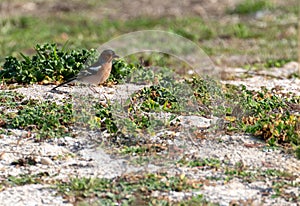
242 31
254 32
25 179
51 64
262 113
270 116
251 6
44 119
268 64
207 163
276 62
281 180
48 64
196 201
103 112
129 189
155 98
80 31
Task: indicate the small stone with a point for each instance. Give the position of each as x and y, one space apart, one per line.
46 161
6 156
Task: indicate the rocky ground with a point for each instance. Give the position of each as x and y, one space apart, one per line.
246 172
83 156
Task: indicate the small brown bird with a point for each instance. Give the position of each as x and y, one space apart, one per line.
97 73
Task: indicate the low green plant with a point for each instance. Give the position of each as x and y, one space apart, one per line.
263 113
241 30
49 64
210 163
47 119
126 189
155 98
269 116
105 118
121 71
250 6
209 95
44 119
25 179
197 200
276 62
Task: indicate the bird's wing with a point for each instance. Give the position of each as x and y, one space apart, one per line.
92 70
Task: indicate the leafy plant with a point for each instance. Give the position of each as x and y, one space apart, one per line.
125 189
276 62
121 70
241 31
25 179
269 117
105 118
209 95
155 98
47 65
45 119
211 163
250 6
266 114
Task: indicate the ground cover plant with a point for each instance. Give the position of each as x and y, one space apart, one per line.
129 189
53 42
263 113
41 119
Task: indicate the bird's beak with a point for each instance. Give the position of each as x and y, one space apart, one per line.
115 56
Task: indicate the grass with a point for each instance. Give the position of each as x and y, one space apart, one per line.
42 119
262 113
251 6
129 189
207 163
63 44
83 32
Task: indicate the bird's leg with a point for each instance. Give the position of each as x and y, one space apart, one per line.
107 100
93 89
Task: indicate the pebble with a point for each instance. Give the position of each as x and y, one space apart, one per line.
29 195
46 161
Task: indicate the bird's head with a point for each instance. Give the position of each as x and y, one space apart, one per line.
107 56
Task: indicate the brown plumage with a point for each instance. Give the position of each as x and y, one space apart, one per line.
97 73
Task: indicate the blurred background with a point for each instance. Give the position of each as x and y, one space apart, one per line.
231 32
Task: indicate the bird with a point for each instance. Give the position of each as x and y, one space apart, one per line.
97 73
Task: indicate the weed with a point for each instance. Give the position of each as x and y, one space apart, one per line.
125 189
250 6
241 31
25 179
208 163
121 71
47 65
45 119
197 200
105 118
264 113
276 62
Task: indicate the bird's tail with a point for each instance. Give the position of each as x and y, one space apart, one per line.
66 82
